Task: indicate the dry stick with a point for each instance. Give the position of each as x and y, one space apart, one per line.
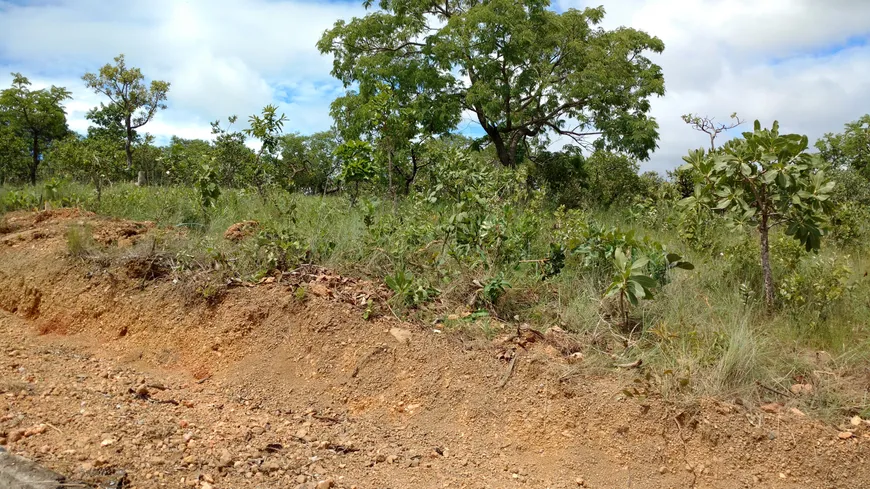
759 384
634 364
510 371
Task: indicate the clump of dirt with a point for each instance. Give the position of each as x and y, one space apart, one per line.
286 384
241 230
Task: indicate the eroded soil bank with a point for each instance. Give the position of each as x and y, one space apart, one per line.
106 373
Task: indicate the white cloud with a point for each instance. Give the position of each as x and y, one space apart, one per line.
777 59
222 57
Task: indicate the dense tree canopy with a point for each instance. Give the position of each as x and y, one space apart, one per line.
523 70
38 116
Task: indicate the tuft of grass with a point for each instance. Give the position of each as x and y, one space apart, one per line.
80 241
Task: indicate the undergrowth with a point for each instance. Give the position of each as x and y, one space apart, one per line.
480 251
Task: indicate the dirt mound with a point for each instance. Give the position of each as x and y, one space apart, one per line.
273 387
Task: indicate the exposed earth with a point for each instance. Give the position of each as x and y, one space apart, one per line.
127 376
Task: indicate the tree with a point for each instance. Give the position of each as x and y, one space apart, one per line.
612 177
13 149
132 100
267 128
357 165
36 115
94 159
764 180
708 126
523 70
562 173
849 150
183 158
233 159
310 161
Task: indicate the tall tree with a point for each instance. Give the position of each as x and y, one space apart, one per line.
132 99
523 70
36 115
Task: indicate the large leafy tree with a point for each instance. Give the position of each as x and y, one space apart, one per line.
764 180
133 102
38 116
523 70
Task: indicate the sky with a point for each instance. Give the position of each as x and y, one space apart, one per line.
805 63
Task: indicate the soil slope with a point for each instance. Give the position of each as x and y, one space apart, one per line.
110 374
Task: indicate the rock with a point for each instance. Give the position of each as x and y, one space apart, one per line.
772 408
319 290
15 435
142 391
797 412
18 472
325 484
241 230
845 435
401 335
270 466
226 458
856 421
205 485
802 389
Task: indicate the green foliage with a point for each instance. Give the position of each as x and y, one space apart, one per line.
357 165
267 128
235 162
816 287
409 290
494 288
207 187
310 162
80 241
34 118
629 283
529 70
763 180
131 102
849 150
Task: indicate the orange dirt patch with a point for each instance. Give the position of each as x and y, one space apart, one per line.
271 388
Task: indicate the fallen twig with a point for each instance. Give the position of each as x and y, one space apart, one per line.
771 389
510 371
634 364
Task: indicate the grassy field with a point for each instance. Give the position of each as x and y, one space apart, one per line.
503 258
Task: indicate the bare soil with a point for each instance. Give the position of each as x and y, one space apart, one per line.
107 374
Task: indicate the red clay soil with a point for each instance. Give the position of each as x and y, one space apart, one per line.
106 374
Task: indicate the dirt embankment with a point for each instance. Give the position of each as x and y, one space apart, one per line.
106 374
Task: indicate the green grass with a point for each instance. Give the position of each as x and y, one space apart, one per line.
707 326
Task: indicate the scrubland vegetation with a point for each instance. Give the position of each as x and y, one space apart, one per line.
741 271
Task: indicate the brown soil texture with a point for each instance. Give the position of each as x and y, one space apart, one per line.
103 374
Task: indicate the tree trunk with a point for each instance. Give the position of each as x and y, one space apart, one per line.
128 143
769 293
505 155
34 165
